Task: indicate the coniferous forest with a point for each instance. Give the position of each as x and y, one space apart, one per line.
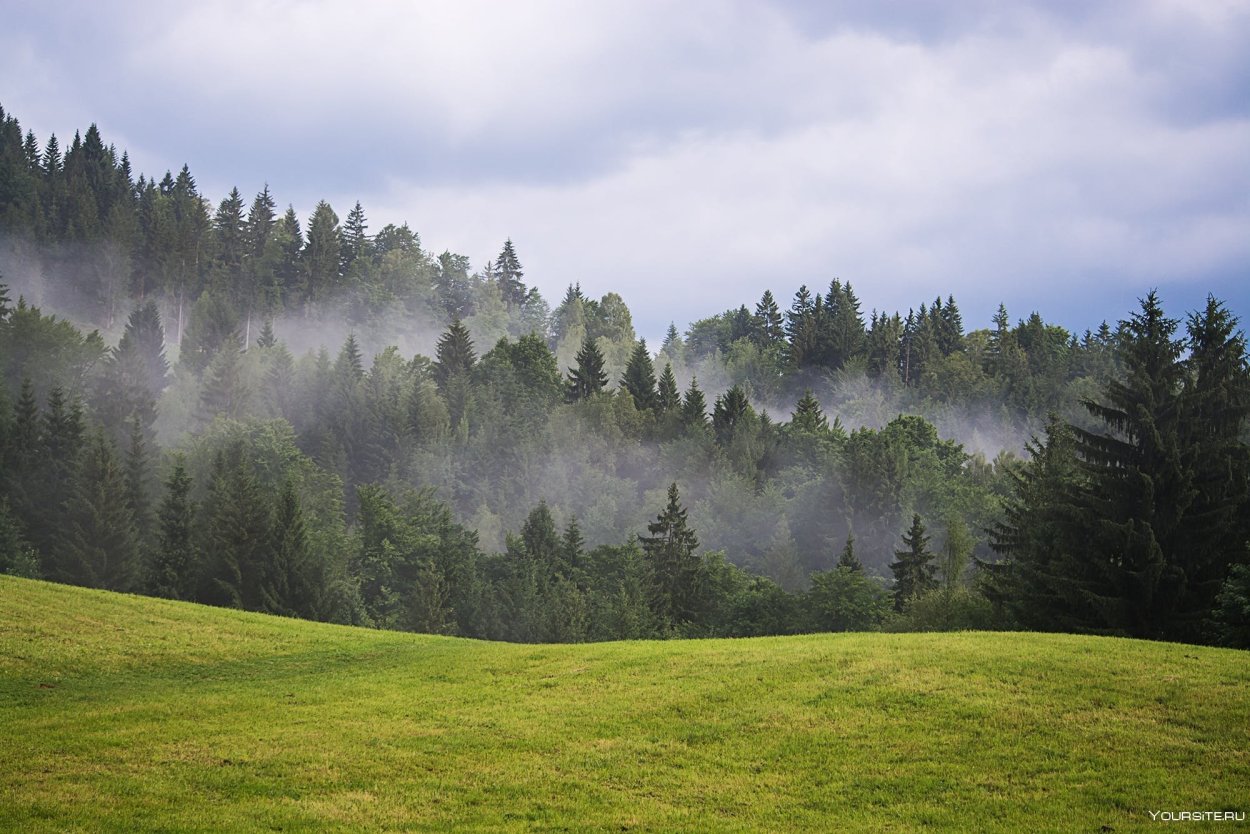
219 400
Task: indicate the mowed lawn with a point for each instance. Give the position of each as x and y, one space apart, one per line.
123 713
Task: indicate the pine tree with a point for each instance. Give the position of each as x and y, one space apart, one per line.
639 378
287 588
1138 484
676 569
454 355
771 330
668 397
225 392
572 546
171 574
730 410
267 339
913 570
507 272
588 378
322 253
356 243
237 535
808 417
98 546
1215 404
694 408
848 560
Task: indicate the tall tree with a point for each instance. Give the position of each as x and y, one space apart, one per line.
639 378
913 567
508 273
677 592
171 573
588 378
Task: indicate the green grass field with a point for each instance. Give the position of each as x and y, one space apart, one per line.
123 713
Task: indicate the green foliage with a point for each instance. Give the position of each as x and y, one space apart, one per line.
844 599
913 569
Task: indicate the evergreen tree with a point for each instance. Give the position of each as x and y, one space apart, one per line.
267 339
171 574
668 397
98 546
848 560
588 378
356 243
236 535
322 254
808 417
913 569
639 378
694 408
677 593
287 589
226 391
507 272
771 328
454 355
729 412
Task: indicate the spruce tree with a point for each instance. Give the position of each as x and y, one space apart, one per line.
771 325
454 355
639 378
98 546
287 588
1139 488
668 398
913 569
848 560
236 536
730 410
677 571
808 417
172 570
588 378
267 339
356 242
508 273
694 408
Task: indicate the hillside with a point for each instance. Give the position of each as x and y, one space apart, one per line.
125 713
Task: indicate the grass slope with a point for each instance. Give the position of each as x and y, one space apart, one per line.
126 713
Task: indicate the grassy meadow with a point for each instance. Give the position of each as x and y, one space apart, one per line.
124 713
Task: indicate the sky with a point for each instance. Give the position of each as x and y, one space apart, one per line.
1065 157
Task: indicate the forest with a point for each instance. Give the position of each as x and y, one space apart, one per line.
231 404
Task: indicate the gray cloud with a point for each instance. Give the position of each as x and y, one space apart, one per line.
691 155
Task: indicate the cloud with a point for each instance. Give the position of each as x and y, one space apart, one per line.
690 155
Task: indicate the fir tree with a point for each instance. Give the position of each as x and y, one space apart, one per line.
676 569
668 397
454 354
639 378
588 378
771 325
913 570
287 588
356 242
171 574
848 560
98 546
694 408
267 339
730 410
508 274
808 417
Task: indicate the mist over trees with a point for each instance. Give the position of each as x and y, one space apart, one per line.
239 406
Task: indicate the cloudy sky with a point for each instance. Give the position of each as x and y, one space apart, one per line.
1062 156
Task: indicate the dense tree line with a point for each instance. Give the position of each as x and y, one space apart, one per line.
504 481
